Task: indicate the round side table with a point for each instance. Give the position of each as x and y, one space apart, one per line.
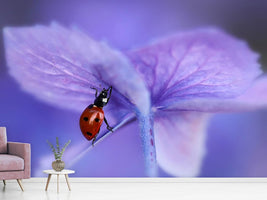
51 172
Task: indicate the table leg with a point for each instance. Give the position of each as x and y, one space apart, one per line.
57 183
48 180
67 180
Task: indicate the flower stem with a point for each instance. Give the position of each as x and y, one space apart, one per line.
148 142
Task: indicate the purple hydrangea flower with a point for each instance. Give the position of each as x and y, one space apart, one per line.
170 86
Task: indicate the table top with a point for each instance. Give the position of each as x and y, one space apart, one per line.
64 171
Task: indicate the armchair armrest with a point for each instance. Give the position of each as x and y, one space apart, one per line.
22 150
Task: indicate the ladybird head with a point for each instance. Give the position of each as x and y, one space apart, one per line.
104 93
102 98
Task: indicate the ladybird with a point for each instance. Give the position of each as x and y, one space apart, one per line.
92 117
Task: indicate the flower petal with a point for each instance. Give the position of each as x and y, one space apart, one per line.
180 141
203 63
253 98
59 65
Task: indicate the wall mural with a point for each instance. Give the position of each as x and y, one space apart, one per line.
139 88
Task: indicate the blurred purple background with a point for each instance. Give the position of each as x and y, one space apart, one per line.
236 143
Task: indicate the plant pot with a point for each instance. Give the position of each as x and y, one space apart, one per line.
58 165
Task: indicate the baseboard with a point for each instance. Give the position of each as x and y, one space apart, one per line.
147 180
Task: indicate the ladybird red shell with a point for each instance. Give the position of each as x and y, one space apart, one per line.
90 121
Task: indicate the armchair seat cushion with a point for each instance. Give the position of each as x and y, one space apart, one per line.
11 163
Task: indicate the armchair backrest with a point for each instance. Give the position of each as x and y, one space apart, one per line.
3 140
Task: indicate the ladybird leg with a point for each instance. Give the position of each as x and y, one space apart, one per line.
90 106
95 91
108 127
93 142
109 93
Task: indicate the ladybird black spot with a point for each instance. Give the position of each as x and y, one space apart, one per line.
97 120
85 119
88 133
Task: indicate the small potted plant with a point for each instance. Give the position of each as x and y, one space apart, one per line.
58 164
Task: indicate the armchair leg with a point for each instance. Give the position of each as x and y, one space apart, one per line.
4 181
20 184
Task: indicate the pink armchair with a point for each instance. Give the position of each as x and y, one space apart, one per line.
15 159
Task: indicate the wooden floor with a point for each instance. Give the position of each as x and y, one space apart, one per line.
127 189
